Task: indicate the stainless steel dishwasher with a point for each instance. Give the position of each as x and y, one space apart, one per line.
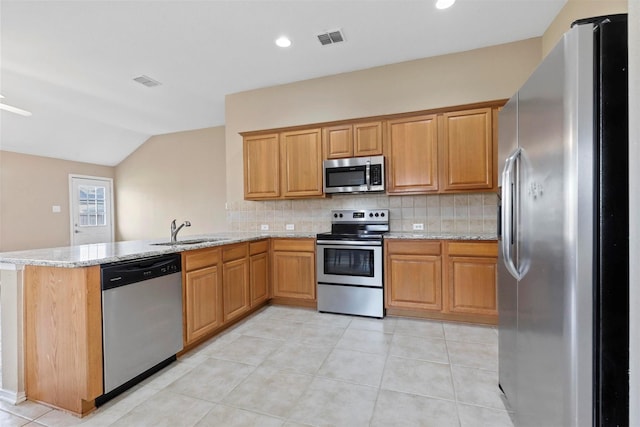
141 319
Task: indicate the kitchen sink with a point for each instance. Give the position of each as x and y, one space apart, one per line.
189 242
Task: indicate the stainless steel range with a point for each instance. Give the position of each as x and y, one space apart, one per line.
349 263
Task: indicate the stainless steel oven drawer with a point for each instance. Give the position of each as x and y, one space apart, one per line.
356 300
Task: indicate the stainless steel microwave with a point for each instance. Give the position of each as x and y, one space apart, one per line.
354 175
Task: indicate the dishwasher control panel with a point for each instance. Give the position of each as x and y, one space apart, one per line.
127 272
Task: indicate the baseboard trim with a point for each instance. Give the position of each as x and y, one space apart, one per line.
12 397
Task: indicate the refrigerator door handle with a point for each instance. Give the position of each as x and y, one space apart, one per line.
508 219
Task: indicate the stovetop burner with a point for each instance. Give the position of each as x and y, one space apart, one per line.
362 224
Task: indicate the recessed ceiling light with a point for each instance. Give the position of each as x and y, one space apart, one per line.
283 41
147 81
444 4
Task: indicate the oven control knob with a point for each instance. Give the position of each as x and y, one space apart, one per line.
370 215
340 215
377 214
382 214
335 215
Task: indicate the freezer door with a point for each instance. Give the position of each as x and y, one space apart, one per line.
507 284
555 130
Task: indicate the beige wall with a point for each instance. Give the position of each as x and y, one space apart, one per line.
578 9
179 175
478 75
29 187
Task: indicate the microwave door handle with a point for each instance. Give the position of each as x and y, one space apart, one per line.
368 174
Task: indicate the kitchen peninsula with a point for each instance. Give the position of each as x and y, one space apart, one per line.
73 379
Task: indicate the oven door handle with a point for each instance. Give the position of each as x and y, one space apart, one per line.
347 243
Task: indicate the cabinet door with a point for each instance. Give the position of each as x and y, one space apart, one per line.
415 282
261 167
472 285
367 139
259 276
203 307
294 275
467 150
411 149
338 141
235 288
301 162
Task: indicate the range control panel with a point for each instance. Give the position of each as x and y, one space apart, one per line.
360 215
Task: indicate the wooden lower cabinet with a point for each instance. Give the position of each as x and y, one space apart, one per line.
235 281
441 279
259 272
202 293
472 273
63 337
413 275
294 271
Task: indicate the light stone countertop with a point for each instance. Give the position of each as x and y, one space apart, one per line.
103 253
441 236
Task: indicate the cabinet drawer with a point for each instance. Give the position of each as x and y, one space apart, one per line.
485 249
231 252
294 245
414 247
193 260
258 247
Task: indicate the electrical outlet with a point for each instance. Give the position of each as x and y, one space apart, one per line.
55 209
290 227
264 227
418 226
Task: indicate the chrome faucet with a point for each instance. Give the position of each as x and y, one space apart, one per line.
174 229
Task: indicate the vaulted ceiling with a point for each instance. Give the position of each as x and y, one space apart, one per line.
72 63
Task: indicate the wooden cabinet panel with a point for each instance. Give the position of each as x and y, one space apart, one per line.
472 285
193 260
367 139
294 275
235 288
472 279
415 282
411 151
338 141
293 266
262 166
203 307
352 140
301 163
259 276
467 150
63 336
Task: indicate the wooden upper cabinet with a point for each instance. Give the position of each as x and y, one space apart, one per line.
261 166
353 140
301 163
411 150
338 141
467 150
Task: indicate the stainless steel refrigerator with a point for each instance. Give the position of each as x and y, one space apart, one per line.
563 228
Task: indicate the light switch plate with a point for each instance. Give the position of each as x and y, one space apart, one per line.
418 226
290 227
55 209
264 227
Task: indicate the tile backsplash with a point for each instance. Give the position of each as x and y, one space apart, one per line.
472 213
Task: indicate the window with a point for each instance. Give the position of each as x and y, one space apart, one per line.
91 204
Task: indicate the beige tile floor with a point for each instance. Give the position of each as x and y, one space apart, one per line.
296 367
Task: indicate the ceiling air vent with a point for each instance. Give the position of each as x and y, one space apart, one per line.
147 81
331 37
